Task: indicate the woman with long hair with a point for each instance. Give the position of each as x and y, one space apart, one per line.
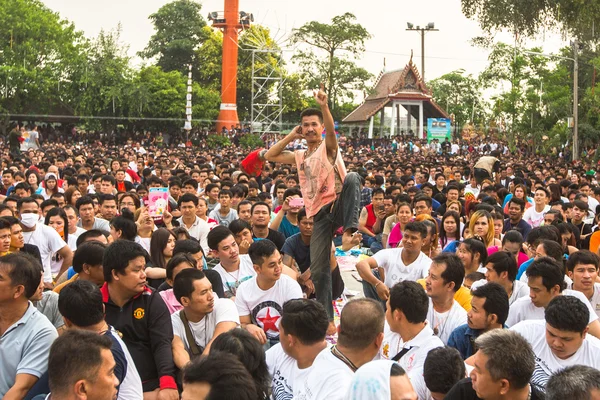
51 186
57 219
72 194
404 215
449 228
481 225
162 244
34 180
430 245
122 226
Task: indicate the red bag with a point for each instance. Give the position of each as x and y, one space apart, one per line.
252 164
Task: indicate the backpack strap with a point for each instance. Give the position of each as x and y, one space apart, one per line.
194 349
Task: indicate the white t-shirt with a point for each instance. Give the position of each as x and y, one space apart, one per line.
445 323
520 289
266 306
203 330
595 300
199 231
395 270
48 242
72 240
546 363
131 387
284 373
523 309
534 218
328 379
232 280
413 360
144 242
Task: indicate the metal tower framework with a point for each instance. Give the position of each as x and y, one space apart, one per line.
267 92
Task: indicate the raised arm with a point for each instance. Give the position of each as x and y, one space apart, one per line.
330 138
279 154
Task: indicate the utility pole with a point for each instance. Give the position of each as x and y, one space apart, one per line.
575 44
430 27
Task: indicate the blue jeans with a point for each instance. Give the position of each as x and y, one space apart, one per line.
344 212
370 291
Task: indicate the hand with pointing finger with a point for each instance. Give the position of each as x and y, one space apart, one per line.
321 96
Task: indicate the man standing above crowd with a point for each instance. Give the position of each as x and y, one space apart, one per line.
330 195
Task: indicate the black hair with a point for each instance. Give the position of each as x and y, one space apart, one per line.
82 201
503 261
249 351
90 253
552 249
217 235
259 203
158 243
567 313
238 226
476 246
118 255
496 300
106 197
513 236
305 319
24 270
310 112
92 233
549 270
81 303
125 224
183 285
190 246
517 201
417 227
261 250
75 355
582 257
24 200
443 368
410 298
454 272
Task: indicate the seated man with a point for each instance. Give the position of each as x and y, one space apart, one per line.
561 339
72 376
504 365
446 275
501 268
202 319
296 252
129 305
219 375
582 268
26 333
546 280
360 335
443 368
408 337
302 337
81 305
373 216
578 382
396 264
489 310
286 220
260 299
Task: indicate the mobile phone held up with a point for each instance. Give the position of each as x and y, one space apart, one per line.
297 202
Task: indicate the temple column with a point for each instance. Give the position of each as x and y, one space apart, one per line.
408 119
420 135
372 120
393 120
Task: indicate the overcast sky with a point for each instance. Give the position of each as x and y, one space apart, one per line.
446 50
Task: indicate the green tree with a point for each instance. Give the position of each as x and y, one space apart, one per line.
460 95
40 59
528 18
342 41
179 32
107 79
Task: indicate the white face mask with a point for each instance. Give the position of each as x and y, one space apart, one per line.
29 220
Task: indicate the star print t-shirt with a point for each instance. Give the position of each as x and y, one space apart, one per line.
232 280
266 306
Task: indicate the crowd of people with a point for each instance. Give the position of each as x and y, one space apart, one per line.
479 269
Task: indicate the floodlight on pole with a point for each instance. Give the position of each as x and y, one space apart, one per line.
430 27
